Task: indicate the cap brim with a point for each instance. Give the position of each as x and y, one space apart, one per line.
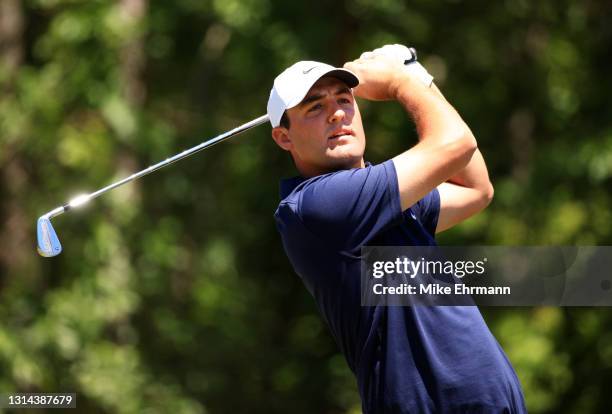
345 76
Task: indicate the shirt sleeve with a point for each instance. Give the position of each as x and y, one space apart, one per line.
348 208
427 210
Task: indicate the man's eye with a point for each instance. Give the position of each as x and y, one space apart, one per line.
314 108
344 100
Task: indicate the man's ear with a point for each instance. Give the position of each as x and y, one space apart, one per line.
280 135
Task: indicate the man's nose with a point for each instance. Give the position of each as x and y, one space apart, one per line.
337 114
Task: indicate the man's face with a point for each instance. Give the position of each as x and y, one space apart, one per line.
325 132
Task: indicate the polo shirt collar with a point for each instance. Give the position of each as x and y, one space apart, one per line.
287 185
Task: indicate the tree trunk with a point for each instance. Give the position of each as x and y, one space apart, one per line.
16 246
11 31
133 55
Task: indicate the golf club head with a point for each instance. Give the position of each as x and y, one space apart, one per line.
48 243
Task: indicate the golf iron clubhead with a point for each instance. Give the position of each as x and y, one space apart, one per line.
48 243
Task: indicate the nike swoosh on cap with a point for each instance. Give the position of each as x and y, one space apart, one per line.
308 70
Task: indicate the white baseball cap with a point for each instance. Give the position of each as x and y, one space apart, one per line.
292 85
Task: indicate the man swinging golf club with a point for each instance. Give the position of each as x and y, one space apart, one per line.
412 359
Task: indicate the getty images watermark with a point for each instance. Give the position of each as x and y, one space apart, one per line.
487 275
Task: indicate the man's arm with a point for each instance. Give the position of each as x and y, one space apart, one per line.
446 145
466 193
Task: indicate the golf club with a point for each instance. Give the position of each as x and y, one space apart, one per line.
48 243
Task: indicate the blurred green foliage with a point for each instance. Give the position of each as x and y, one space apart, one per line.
173 293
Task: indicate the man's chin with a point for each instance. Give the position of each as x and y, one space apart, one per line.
346 161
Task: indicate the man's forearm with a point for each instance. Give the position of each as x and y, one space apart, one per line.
435 118
474 174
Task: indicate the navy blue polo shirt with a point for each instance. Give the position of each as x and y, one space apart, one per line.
418 359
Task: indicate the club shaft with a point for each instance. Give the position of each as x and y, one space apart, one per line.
257 121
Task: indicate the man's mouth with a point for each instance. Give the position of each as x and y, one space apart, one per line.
341 133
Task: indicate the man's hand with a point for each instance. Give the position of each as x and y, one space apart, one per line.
379 76
382 69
